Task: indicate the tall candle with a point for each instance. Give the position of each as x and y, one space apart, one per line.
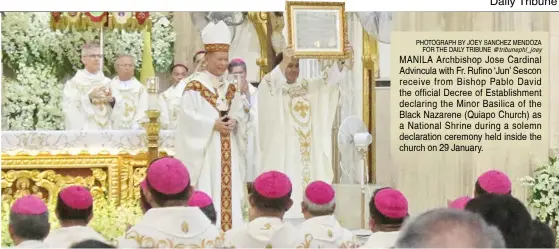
153 101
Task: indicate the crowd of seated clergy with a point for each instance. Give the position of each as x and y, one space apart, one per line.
176 215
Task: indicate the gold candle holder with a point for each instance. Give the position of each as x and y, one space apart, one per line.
153 126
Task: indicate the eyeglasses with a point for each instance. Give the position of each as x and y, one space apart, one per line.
94 56
125 65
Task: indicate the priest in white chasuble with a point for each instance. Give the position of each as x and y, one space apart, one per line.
269 201
319 204
169 100
87 100
295 118
131 97
210 137
169 223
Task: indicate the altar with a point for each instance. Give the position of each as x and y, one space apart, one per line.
111 163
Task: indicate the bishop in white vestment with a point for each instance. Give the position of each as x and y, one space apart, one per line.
295 118
131 98
319 204
210 127
87 99
29 222
74 211
169 223
269 201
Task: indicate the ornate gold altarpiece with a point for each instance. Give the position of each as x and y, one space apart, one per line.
110 163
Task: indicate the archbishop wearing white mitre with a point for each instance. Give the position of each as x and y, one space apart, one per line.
131 97
295 118
210 137
87 100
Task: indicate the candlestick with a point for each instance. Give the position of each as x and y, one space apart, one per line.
153 89
153 84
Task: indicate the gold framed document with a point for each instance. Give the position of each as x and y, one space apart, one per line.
317 29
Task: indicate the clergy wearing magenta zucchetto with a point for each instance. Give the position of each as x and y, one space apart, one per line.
74 210
169 223
388 210
205 203
318 206
29 222
460 202
493 182
270 199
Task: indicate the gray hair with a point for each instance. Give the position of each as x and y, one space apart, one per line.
319 210
125 56
30 227
89 46
449 228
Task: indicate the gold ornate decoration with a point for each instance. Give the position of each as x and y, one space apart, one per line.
218 47
370 54
342 40
28 162
259 20
46 184
114 177
152 133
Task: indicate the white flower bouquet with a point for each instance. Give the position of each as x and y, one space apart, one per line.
38 60
544 192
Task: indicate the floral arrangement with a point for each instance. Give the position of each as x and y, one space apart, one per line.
37 61
544 192
110 220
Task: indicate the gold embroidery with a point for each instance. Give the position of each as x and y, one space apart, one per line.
226 183
307 242
184 227
302 108
330 233
144 241
267 226
269 246
218 47
301 113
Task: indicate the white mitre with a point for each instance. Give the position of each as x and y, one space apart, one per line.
216 37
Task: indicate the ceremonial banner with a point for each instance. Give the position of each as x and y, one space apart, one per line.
120 20
317 29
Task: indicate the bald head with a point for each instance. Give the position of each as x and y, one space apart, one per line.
449 228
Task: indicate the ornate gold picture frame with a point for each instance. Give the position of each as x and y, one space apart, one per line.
317 29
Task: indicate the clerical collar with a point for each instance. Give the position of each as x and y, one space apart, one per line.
92 74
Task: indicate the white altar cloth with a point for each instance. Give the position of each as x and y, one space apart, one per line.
75 142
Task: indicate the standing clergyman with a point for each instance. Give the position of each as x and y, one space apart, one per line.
209 132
